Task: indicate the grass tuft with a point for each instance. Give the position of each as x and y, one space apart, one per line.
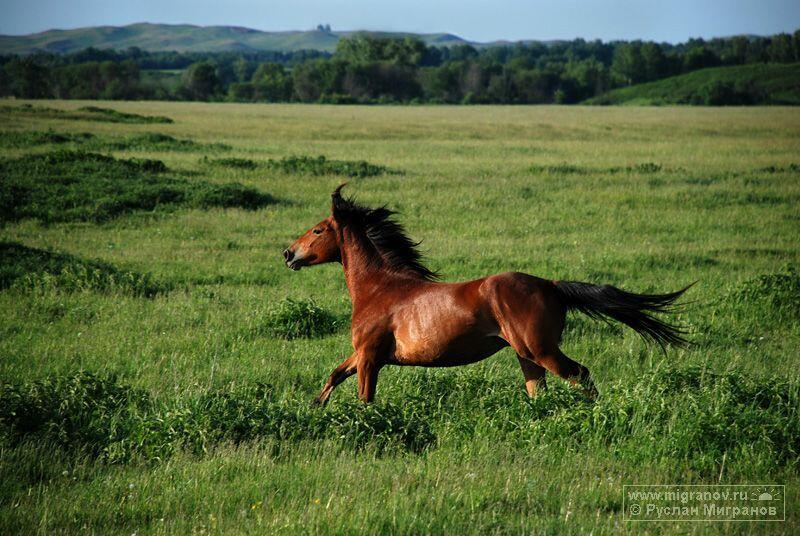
87 113
115 116
151 141
237 163
18 140
79 186
294 319
37 269
569 169
319 165
780 291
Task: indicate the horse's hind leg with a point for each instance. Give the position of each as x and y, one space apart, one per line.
531 318
534 376
561 365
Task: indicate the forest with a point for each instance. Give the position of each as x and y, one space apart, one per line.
366 69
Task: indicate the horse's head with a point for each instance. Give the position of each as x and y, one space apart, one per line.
318 245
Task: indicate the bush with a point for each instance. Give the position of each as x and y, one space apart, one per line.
36 269
293 319
80 186
322 166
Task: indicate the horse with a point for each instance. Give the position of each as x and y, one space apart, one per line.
402 314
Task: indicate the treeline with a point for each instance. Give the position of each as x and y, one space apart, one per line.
367 69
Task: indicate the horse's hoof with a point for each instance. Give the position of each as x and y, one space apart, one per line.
317 403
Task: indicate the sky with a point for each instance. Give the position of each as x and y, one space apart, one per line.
658 20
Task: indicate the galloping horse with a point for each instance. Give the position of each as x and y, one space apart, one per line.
402 314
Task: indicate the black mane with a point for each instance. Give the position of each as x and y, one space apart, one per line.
396 249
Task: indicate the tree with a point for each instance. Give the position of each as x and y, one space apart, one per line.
272 83
589 78
314 79
699 57
27 78
780 49
243 69
200 80
654 62
364 48
628 64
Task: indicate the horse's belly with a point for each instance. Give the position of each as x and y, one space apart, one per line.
458 351
443 329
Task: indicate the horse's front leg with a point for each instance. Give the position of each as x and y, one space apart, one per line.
346 369
367 378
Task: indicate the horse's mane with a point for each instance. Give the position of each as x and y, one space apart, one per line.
396 249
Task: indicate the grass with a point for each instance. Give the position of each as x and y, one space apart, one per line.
38 270
740 84
236 163
116 116
569 169
86 113
319 165
79 186
187 409
150 141
293 319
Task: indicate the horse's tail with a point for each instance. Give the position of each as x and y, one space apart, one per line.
634 310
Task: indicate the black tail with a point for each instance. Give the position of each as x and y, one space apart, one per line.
634 310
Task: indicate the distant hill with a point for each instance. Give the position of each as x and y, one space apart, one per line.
189 38
760 83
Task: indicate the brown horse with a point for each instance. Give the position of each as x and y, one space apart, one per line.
403 316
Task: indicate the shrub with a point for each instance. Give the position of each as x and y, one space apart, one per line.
292 319
322 166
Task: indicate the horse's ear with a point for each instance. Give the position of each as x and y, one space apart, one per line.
337 201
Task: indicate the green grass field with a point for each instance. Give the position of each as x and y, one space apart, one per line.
762 83
154 378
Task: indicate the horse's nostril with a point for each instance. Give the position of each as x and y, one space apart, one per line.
288 254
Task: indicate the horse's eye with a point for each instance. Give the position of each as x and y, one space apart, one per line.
317 231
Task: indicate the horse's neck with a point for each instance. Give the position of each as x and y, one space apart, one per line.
364 276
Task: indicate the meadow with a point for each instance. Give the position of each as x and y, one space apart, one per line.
157 358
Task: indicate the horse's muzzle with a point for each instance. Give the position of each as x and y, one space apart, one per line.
291 261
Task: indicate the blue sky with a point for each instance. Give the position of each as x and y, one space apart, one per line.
659 20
